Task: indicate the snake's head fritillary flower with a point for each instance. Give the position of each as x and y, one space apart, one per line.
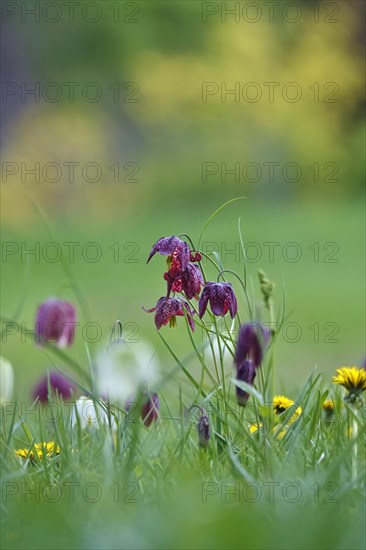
253 338
167 309
252 342
203 430
90 414
55 322
125 366
177 251
57 384
189 281
221 297
150 410
245 372
192 281
353 379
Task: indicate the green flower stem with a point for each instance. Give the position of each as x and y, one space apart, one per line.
271 377
354 437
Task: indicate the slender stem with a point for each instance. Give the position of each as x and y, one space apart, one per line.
214 215
242 285
223 381
354 448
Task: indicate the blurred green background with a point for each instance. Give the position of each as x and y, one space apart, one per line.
148 61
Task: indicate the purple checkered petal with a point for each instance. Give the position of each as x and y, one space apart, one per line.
231 300
202 305
172 246
166 308
192 281
221 297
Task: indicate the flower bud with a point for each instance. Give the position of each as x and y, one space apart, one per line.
203 430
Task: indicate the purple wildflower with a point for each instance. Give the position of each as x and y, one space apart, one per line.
245 372
177 251
221 297
190 281
167 309
150 410
55 322
252 342
57 383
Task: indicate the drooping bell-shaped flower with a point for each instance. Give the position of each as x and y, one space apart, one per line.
55 322
192 281
252 343
150 410
57 384
122 368
90 414
177 251
167 309
189 281
221 297
245 372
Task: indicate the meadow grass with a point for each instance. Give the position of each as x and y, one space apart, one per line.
265 480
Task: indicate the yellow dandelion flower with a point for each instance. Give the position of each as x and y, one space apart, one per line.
254 428
48 448
329 410
351 378
281 404
328 406
25 453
